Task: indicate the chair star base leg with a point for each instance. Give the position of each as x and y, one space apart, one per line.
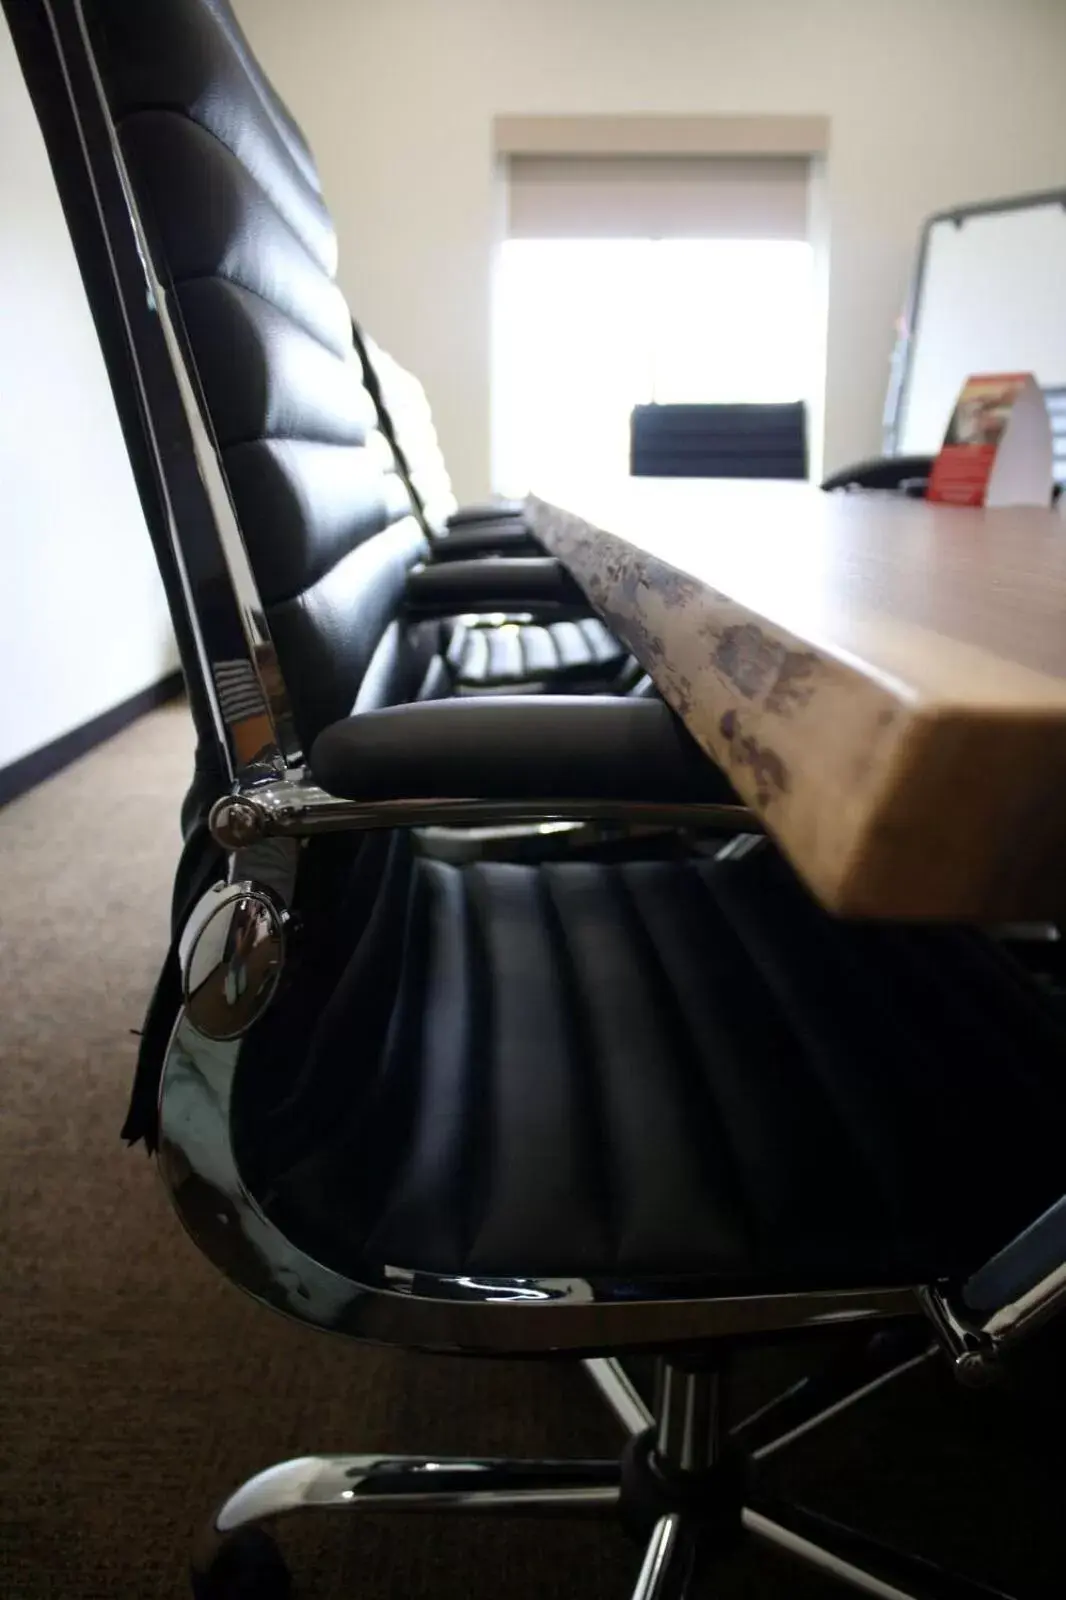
380 1483
670 1561
683 1488
854 1559
865 1365
620 1392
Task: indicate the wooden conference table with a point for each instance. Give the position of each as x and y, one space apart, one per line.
883 680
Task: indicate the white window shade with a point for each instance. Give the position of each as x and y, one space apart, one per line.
657 197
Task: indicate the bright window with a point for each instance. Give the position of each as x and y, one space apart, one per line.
588 328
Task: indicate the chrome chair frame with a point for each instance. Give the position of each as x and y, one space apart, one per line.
269 804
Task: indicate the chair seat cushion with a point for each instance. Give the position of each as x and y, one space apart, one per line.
639 1068
528 652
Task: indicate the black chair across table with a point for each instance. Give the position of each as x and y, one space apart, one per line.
719 440
638 1096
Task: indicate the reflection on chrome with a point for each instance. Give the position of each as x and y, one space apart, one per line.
232 951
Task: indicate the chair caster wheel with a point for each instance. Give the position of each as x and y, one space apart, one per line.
248 1566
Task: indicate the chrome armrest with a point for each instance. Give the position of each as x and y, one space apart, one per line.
239 929
297 807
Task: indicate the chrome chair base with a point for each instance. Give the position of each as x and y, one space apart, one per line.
677 1488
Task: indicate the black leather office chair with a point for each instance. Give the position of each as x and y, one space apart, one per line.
907 475
529 649
719 440
644 1100
497 527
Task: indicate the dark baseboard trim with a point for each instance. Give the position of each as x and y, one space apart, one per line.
44 763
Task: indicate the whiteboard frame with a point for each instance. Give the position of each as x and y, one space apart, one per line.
902 355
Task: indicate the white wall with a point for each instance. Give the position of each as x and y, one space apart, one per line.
83 623
933 102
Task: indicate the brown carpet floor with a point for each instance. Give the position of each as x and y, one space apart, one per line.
136 1386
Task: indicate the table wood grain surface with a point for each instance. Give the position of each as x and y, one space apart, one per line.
883 680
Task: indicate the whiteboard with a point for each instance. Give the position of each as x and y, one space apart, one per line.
991 297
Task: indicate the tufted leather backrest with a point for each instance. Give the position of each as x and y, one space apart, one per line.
407 419
235 212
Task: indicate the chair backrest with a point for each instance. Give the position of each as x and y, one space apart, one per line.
224 187
905 474
406 419
719 441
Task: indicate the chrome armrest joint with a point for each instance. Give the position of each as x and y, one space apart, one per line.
972 1351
